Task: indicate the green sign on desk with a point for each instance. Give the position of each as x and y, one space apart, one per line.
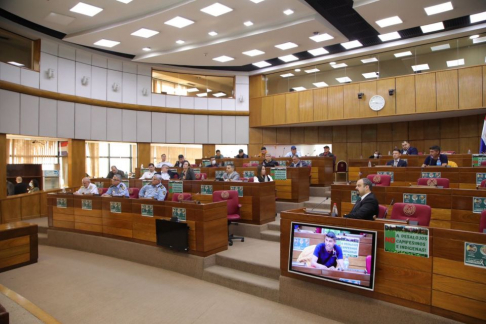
390 173
479 204
239 189
248 174
175 186
99 184
61 203
205 163
480 177
206 189
279 173
411 198
431 175
147 210
196 170
407 240
180 213
475 255
477 159
115 207
218 174
354 196
86 204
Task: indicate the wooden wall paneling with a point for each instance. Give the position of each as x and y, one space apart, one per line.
471 87
450 144
292 108
257 86
339 134
254 149
256 135
255 112
3 166
449 128
368 132
76 161
353 133
335 101
383 148
384 132
269 136
311 135
320 104
279 110
468 127
353 150
306 106
416 130
143 154
325 134
350 101
208 150
283 135
382 87
367 149
369 90
405 95
468 143
267 110
426 92
340 150
447 90
400 132
297 135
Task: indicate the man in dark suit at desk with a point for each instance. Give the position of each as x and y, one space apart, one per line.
367 205
397 162
409 150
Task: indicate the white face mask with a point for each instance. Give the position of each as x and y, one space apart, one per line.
213 162
31 185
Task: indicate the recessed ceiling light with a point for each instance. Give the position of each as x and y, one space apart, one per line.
254 52
318 51
15 63
479 40
438 8
124 1
288 12
192 90
297 70
286 75
432 27
370 75
321 37
248 23
440 47
389 36
261 64
145 33
179 22
288 58
478 17
223 59
216 9
286 46
455 63
299 88
320 84
209 90
219 94
340 65
332 63
312 70
86 9
473 36
59 19
352 44
146 49
402 54
256 1
180 42
420 67
212 33
201 94
343 80
369 60
106 43
395 20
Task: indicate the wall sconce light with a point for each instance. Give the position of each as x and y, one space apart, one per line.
50 73
115 87
144 92
241 99
84 80
391 92
360 95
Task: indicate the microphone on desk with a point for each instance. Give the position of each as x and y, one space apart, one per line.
283 152
325 199
391 204
314 152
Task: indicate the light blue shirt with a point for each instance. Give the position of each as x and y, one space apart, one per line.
118 191
157 192
290 154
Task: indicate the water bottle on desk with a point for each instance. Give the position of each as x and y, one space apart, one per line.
346 263
334 212
369 164
438 162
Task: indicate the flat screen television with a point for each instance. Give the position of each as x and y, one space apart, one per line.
172 235
341 255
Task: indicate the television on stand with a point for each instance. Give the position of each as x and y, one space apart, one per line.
172 235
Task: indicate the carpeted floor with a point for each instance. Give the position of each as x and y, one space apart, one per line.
16 313
79 287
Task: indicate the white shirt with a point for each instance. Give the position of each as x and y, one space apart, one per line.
161 164
364 196
165 176
92 189
148 175
255 178
290 154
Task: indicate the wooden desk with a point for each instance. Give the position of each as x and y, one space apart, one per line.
18 245
440 284
208 232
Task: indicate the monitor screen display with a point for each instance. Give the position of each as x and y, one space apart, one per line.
342 255
173 235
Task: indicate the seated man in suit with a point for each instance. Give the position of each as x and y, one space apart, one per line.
397 162
117 189
180 162
241 155
409 150
327 152
114 170
367 206
214 163
20 187
297 163
231 174
155 190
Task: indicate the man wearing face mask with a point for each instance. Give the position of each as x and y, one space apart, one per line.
214 163
375 155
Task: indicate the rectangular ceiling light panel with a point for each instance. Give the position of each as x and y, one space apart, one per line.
420 67
262 64
478 17
343 80
86 9
352 44
216 9
440 47
254 52
288 58
223 59
443 7
432 27
179 22
321 37
286 75
389 36
318 51
455 63
320 84
286 46
395 20
402 54
145 33
370 60
106 43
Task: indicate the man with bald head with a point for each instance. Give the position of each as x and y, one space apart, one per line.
87 188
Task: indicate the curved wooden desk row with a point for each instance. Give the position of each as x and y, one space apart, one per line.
462 160
18 245
440 284
208 228
451 208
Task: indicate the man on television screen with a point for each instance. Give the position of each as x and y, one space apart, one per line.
328 255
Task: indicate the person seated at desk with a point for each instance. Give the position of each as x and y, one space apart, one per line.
164 172
231 174
181 161
155 190
10 188
117 189
375 155
33 186
328 255
114 170
293 151
435 158
147 175
263 152
214 163
261 175
409 150
87 188
269 162
218 155
187 172
297 163
241 155
397 162
367 205
327 152
20 187
164 162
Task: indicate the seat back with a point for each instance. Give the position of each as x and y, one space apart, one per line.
383 211
201 176
482 221
246 165
102 190
368 263
483 183
181 196
342 166
380 180
448 152
230 196
483 163
415 212
133 192
433 182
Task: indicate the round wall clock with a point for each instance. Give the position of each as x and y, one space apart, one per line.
377 103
